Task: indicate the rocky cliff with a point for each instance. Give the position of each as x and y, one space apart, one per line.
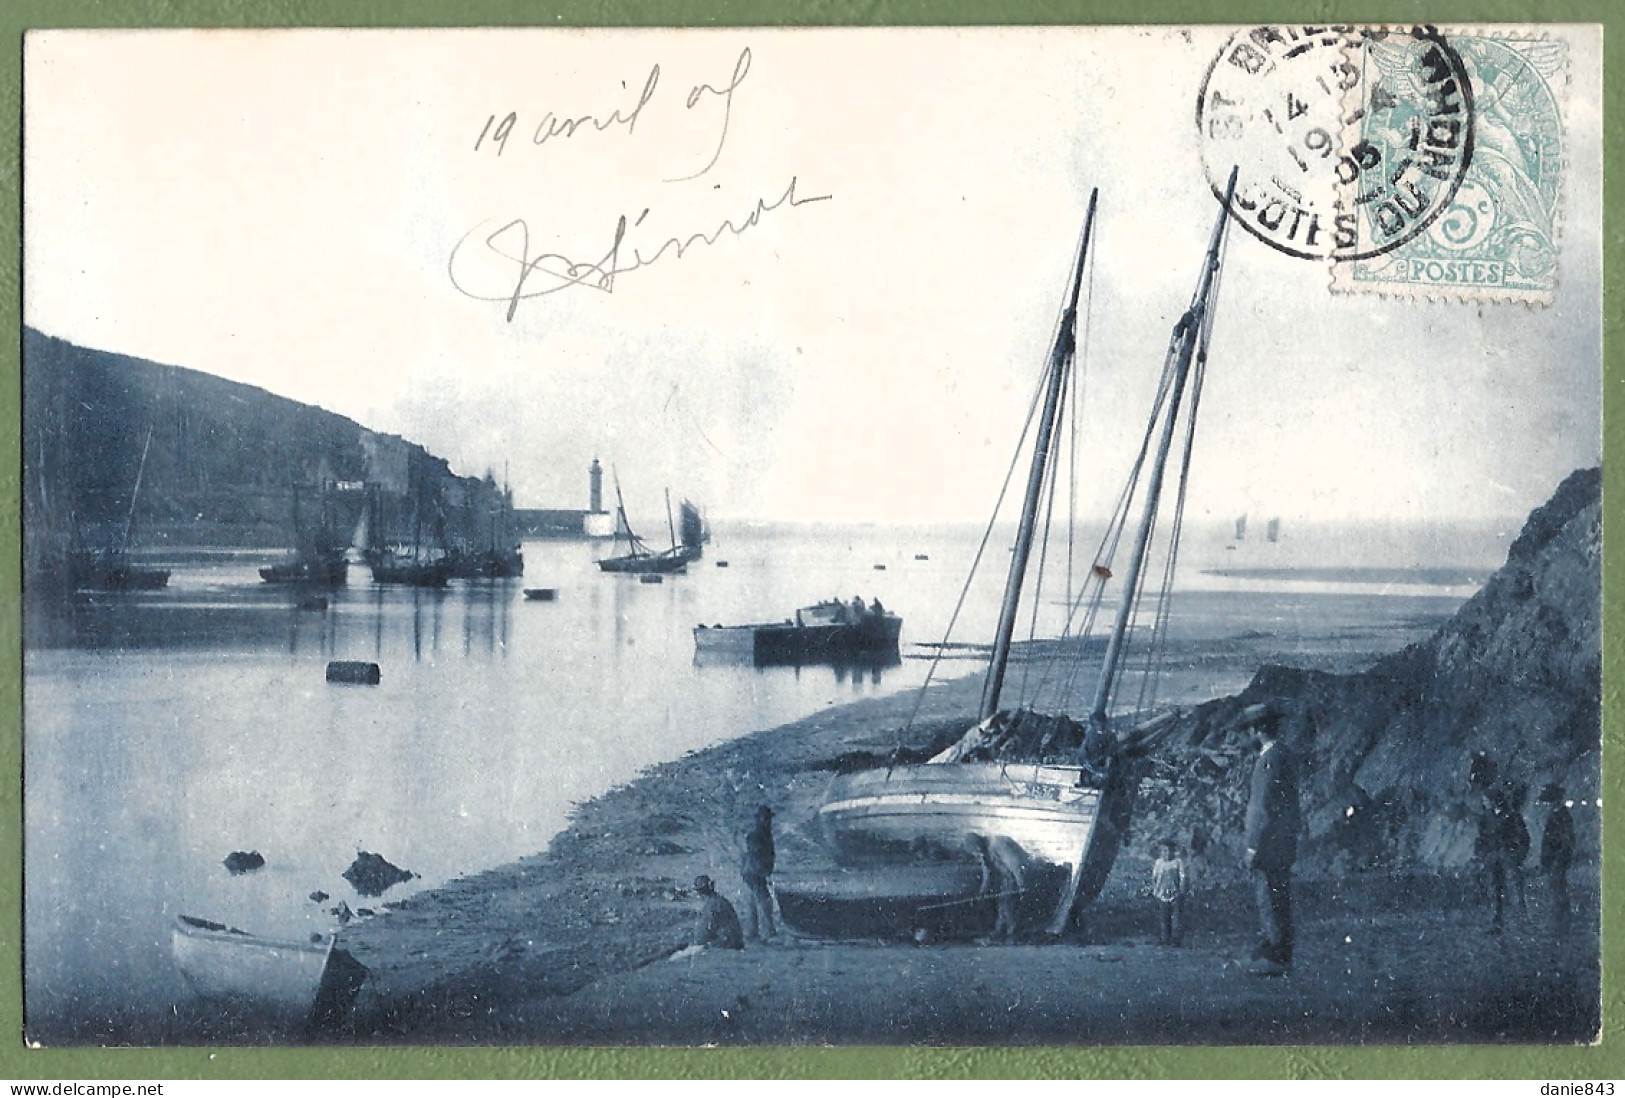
1514 677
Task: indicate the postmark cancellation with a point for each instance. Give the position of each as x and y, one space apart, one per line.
1413 162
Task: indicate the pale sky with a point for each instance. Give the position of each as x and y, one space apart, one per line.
281 209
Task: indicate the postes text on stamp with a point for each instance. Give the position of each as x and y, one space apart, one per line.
1496 239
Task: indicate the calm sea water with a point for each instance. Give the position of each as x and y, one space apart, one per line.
166 730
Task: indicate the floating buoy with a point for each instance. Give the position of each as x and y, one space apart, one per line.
541 594
922 556
722 564
356 671
652 577
880 568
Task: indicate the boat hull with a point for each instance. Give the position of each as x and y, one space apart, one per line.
308 572
665 563
875 638
268 975
943 899
410 573
1047 811
114 572
1068 824
489 564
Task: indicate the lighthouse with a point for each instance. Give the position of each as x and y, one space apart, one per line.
596 523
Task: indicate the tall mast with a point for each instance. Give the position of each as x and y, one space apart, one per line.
135 492
620 510
671 527
1059 364
1188 333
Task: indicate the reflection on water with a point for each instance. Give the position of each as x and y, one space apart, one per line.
167 729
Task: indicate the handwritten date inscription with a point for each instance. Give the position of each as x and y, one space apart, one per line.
494 135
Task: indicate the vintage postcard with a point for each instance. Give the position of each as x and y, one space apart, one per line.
1052 536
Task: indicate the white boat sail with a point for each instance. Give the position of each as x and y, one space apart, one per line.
1066 801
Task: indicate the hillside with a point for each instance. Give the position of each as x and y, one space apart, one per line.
223 464
1514 676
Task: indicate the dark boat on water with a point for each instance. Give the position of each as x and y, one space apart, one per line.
639 559
112 570
401 561
500 557
491 563
404 566
320 558
827 632
310 568
1027 807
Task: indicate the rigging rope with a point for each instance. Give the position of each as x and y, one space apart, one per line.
1110 541
1080 379
1156 652
1051 479
987 535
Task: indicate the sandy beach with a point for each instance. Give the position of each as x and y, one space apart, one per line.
571 946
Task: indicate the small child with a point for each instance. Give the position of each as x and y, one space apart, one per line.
1168 888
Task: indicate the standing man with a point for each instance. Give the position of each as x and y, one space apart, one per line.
1557 853
1273 822
755 868
1493 848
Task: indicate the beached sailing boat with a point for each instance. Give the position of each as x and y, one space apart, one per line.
1056 795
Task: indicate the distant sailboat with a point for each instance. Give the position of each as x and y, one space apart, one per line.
639 558
500 557
318 558
1272 532
111 569
405 564
1241 528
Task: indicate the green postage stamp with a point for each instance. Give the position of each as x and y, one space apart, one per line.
1497 237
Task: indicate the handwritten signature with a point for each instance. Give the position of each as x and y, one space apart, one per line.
550 272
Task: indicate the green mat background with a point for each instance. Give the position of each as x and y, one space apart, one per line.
1603 1061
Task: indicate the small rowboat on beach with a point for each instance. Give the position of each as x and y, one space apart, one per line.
304 982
